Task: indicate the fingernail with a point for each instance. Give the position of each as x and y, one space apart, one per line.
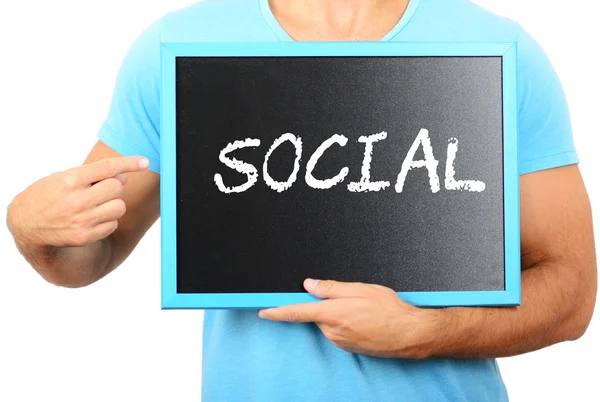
311 283
144 163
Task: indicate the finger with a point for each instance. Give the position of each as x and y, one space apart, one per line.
109 211
333 289
105 190
102 231
122 178
307 312
111 167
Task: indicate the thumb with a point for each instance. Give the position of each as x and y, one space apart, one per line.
329 289
122 178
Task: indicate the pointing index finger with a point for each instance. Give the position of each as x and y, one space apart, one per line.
111 167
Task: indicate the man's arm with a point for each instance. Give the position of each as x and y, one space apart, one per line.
559 278
73 232
559 282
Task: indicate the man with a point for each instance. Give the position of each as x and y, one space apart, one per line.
362 342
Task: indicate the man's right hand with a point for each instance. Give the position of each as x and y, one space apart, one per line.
76 207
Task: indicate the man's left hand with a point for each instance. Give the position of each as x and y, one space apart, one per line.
364 318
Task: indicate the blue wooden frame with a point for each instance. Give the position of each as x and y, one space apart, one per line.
170 51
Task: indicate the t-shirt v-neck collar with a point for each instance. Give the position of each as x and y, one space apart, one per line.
284 36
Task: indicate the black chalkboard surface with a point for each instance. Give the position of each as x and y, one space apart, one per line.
377 169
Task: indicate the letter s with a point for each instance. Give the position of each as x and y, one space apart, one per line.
242 167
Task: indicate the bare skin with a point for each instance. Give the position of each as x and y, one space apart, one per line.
558 291
338 20
69 238
81 232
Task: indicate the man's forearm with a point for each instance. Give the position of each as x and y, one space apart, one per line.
556 306
70 266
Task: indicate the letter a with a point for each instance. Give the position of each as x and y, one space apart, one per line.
430 162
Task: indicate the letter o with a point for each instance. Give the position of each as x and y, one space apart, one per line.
280 186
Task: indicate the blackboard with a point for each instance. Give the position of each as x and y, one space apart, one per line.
377 168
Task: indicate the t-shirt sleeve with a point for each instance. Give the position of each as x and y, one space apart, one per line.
132 126
545 135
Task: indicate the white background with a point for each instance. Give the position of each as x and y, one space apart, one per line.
111 341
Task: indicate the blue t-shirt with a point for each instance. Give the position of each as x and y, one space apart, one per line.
246 358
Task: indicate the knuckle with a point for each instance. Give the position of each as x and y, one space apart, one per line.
69 179
58 176
327 285
112 226
120 207
113 186
107 229
118 187
321 317
333 336
81 238
373 288
109 167
379 287
76 204
344 325
329 318
294 316
80 222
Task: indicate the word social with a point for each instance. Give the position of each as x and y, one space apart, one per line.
364 185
